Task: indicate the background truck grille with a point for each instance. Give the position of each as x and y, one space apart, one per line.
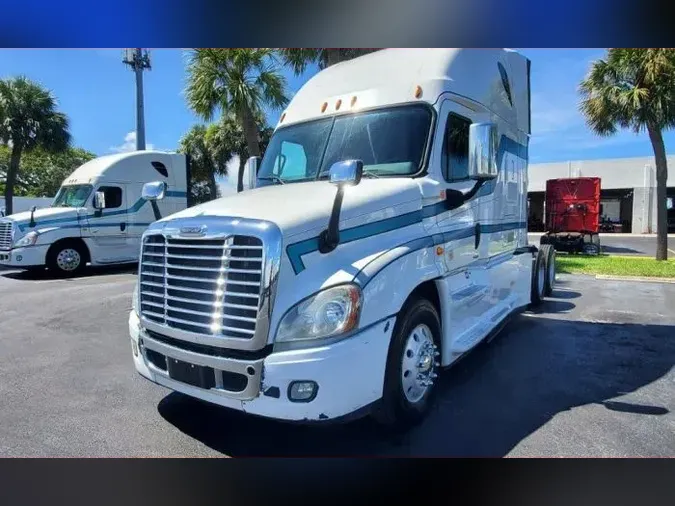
5 235
207 286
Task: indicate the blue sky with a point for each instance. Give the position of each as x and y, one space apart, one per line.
97 92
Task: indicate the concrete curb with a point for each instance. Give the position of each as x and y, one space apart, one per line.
635 278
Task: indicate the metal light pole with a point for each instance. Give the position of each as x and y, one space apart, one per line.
139 60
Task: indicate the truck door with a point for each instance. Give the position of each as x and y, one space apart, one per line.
109 228
464 250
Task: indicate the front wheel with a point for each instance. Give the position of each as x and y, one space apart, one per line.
67 259
412 366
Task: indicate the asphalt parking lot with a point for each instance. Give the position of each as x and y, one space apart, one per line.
589 374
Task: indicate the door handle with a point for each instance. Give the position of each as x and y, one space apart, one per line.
123 225
477 235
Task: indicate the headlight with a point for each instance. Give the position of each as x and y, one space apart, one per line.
27 240
134 300
329 313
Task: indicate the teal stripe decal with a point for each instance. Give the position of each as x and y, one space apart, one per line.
133 209
364 276
297 250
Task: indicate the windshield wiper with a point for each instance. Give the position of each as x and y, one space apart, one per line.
276 179
371 174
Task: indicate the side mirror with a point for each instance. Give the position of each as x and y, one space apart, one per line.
346 173
483 151
252 165
99 200
154 191
3 210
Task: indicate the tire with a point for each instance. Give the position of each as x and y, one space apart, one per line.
67 258
548 254
537 291
591 249
595 239
414 350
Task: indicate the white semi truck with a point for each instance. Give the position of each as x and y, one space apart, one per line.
97 216
384 239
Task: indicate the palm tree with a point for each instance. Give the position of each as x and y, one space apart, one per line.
239 82
635 88
229 140
299 58
195 143
28 119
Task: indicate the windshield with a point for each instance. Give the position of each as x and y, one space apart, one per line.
72 196
389 142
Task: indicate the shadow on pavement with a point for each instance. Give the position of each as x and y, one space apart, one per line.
490 401
616 250
639 409
90 271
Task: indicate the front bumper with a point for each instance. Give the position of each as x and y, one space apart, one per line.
24 257
349 375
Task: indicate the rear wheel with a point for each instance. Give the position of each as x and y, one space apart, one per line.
412 367
67 258
548 254
538 279
591 248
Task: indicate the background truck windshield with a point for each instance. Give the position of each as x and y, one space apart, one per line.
390 142
72 196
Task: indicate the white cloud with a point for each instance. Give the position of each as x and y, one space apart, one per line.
129 144
559 129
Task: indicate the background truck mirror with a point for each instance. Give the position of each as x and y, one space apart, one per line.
154 191
99 200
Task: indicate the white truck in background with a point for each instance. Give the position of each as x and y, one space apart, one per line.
385 237
97 216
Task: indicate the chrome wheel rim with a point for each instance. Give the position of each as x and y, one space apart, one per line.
418 365
68 259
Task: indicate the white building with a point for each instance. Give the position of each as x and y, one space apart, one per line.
628 195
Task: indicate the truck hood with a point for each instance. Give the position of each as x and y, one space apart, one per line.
299 207
44 216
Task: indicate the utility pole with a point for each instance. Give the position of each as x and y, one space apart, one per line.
139 60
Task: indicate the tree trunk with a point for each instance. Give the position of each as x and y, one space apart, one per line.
12 174
240 174
252 136
213 186
656 137
333 56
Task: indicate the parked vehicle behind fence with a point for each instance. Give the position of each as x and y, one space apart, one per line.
382 237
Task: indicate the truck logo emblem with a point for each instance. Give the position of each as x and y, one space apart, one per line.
200 230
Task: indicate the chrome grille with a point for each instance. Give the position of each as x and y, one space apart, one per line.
5 234
204 286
